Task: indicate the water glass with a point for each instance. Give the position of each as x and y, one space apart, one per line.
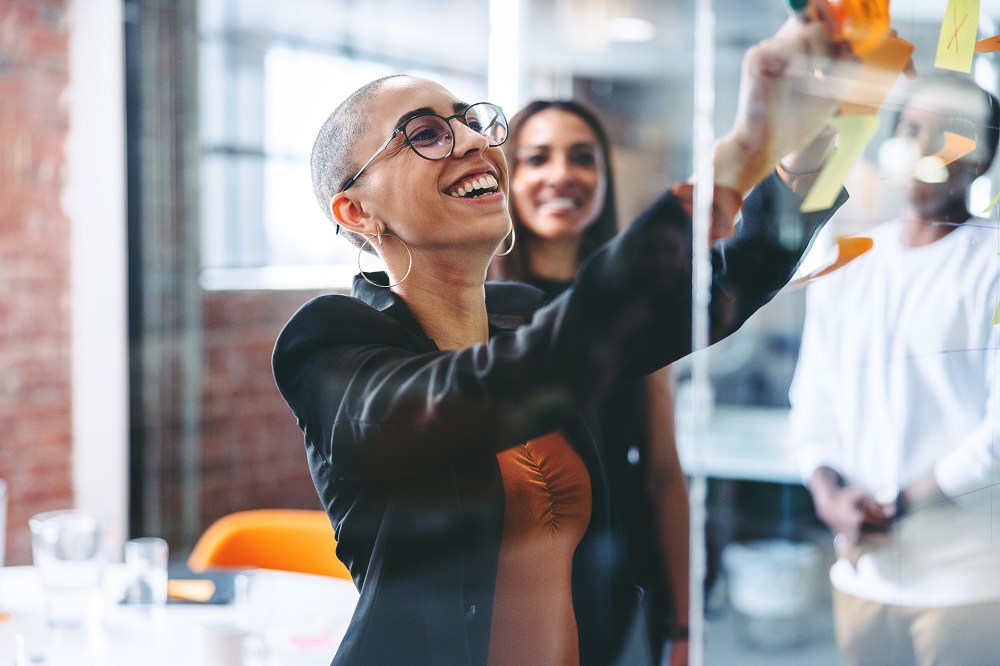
70 552
146 567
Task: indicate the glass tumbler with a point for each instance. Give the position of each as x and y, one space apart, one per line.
70 552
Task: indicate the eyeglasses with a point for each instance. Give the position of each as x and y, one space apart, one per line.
431 136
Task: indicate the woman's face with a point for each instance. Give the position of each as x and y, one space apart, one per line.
558 185
414 198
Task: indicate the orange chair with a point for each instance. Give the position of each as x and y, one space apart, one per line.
283 539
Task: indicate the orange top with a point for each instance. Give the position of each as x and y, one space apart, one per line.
547 505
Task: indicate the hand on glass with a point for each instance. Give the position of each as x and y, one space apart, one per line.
791 84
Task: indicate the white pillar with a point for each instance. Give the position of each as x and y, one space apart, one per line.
94 200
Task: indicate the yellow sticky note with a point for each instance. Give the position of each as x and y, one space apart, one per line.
957 40
996 317
993 204
854 133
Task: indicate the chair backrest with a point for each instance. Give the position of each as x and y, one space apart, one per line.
284 539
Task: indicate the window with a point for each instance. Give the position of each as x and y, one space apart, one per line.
268 80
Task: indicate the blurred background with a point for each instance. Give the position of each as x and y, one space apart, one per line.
157 228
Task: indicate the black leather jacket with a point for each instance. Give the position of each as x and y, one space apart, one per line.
401 436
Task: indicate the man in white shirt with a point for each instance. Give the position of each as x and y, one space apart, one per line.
895 419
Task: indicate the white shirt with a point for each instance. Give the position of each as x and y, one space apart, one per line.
896 377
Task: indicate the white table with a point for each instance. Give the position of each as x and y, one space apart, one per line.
748 443
291 619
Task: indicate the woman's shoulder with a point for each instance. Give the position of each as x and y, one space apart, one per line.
330 313
338 319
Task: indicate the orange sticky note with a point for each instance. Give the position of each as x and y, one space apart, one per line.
853 134
988 45
955 147
957 40
881 68
849 248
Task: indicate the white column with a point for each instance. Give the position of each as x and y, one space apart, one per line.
94 200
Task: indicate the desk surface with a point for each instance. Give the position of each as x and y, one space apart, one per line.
749 443
290 619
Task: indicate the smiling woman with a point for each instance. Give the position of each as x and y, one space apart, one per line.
448 422
563 203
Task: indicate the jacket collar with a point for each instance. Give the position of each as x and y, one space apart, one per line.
508 304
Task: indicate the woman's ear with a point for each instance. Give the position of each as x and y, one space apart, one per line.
348 213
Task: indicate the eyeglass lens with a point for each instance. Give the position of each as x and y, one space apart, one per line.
431 136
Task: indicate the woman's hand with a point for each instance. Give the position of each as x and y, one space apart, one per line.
790 86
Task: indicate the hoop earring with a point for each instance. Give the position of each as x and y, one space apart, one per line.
378 236
513 239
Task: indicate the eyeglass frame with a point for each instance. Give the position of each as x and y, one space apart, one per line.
462 115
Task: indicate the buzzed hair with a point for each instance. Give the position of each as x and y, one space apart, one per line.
333 160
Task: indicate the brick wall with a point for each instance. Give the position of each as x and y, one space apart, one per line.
35 424
252 451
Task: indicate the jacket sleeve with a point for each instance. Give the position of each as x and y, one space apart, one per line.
373 408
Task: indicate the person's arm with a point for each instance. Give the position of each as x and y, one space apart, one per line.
375 409
971 466
813 432
848 511
783 106
671 511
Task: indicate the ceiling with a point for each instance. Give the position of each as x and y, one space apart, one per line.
558 35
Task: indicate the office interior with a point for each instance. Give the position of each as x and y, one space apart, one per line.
159 228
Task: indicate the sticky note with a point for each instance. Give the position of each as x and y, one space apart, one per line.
854 133
988 45
993 204
882 66
849 248
957 40
996 317
955 147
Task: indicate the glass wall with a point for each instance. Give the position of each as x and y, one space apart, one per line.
216 278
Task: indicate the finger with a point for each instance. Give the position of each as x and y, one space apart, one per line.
875 513
910 71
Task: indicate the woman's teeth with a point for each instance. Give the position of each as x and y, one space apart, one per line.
562 203
479 186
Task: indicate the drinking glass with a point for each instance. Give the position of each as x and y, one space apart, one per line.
146 566
70 551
